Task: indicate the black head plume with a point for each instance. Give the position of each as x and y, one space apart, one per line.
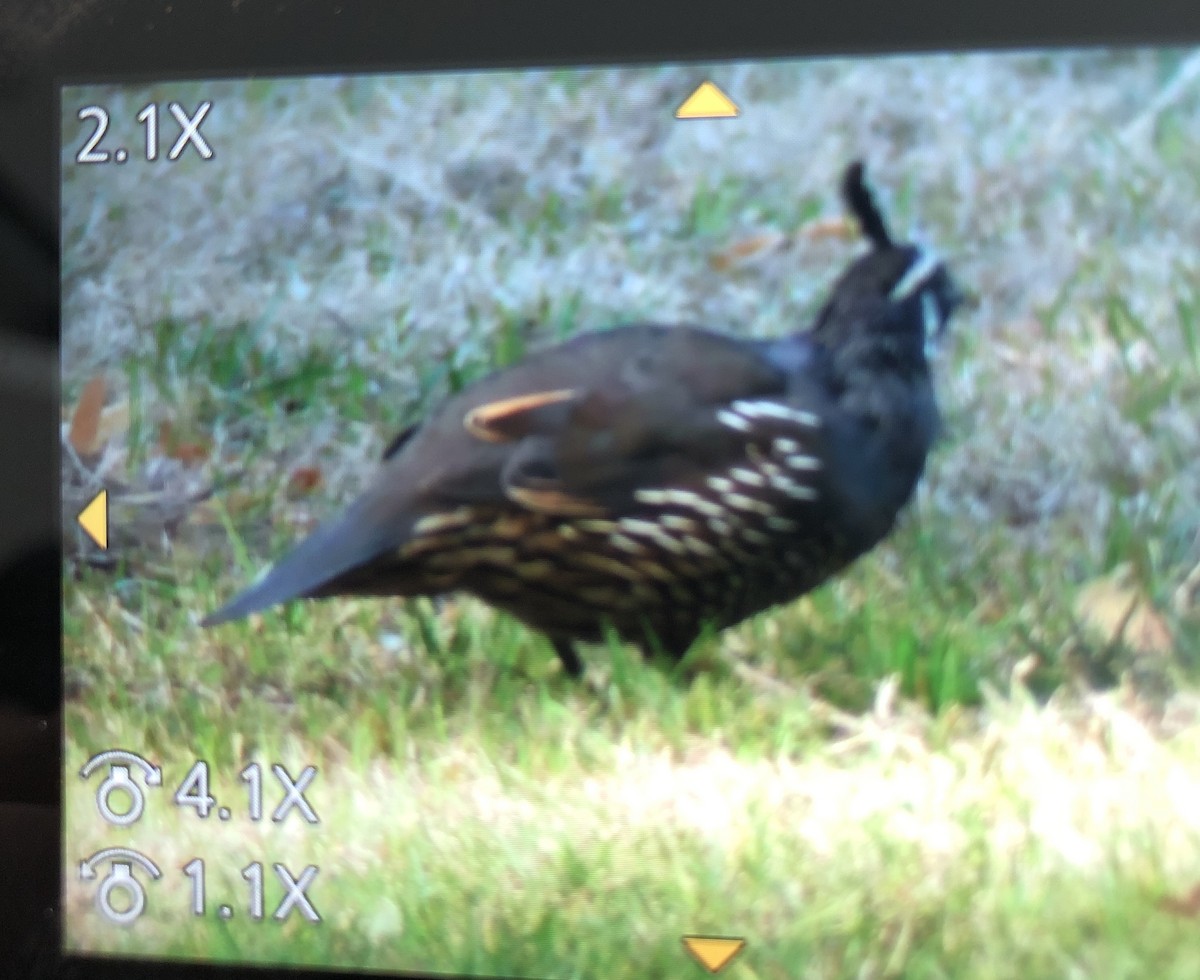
898 292
861 203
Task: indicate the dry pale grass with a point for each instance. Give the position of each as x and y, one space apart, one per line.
396 221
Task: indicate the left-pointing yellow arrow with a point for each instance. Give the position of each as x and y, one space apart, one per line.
94 519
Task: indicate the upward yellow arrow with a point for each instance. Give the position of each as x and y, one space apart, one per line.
707 102
94 519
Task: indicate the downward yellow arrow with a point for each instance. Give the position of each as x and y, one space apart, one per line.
713 952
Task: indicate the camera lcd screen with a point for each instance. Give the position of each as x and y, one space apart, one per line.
734 517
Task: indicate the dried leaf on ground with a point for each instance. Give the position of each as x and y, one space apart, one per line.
188 451
1117 611
841 228
85 420
748 249
1186 905
304 480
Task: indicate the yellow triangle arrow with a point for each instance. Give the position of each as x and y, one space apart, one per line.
714 953
94 519
707 102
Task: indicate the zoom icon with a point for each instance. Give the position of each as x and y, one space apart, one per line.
121 897
120 782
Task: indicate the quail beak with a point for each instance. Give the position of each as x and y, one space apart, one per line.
938 306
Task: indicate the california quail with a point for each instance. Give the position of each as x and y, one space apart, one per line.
655 478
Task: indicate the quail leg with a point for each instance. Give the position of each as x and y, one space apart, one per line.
569 658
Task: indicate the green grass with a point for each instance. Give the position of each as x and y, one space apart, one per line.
485 809
508 821
714 210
